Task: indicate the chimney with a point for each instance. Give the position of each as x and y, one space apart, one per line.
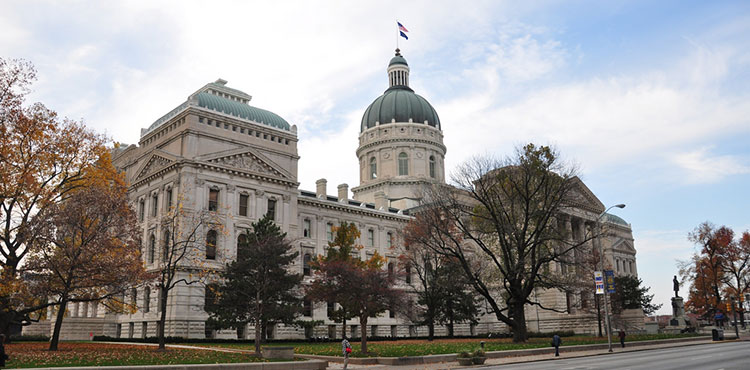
343 193
320 188
381 202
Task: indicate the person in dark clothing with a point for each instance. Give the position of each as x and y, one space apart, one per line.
556 342
621 334
3 356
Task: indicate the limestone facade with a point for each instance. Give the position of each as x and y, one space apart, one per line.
216 152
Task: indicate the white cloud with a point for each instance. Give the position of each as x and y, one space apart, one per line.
701 167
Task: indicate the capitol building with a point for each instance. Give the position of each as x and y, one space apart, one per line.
217 152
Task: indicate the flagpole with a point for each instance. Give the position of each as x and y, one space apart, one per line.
397 33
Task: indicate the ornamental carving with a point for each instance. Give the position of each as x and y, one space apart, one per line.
386 155
154 164
248 162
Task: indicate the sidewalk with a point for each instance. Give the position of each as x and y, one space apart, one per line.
629 347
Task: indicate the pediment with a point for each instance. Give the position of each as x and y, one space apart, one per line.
624 245
584 197
248 160
157 161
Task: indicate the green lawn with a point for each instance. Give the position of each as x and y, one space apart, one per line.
411 347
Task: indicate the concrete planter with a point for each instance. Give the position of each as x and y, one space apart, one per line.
465 361
478 360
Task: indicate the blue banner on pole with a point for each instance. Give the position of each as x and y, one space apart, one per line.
609 280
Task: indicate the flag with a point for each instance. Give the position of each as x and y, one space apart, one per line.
403 35
402 28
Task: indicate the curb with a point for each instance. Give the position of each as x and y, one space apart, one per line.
430 359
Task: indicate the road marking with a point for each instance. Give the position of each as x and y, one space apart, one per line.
701 357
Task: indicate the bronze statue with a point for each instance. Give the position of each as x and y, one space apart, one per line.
676 286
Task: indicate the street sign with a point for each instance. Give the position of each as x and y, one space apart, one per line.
609 281
599 282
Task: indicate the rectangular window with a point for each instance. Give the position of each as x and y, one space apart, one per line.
306 228
154 204
389 240
370 237
213 200
271 212
329 231
569 301
141 210
307 308
243 204
331 309
169 199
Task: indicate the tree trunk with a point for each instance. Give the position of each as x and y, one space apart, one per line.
343 328
519 323
363 330
58 324
450 327
162 319
258 333
430 331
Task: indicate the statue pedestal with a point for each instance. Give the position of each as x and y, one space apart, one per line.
678 322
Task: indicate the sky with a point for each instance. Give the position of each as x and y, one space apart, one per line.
650 99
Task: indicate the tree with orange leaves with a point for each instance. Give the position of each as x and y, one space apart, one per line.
361 288
42 160
706 270
87 246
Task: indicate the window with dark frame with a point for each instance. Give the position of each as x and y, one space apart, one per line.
211 245
213 200
169 199
244 198
154 204
306 264
271 212
165 247
307 308
147 299
151 248
141 210
432 166
306 228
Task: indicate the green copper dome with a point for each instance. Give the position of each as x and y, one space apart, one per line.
400 103
398 59
241 110
608 217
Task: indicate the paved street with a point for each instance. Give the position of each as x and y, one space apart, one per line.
699 357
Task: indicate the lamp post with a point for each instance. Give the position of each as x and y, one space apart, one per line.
601 260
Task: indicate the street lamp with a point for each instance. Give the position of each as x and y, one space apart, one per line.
601 260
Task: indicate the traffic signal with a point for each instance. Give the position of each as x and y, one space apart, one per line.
729 306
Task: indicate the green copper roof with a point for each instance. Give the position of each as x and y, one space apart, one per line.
608 217
400 103
398 59
241 110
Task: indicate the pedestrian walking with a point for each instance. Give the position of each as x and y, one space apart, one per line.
346 348
3 356
556 342
621 334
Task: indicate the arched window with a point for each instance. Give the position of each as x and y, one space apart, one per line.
403 164
373 168
211 245
166 247
432 166
151 248
242 245
306 264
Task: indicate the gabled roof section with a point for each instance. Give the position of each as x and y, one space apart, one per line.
585 198
247 159
157 161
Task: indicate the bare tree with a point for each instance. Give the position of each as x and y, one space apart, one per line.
502 220
188 245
